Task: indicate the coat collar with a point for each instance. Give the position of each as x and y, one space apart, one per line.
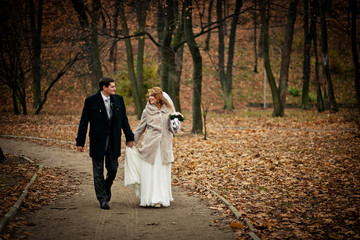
152 109
101 103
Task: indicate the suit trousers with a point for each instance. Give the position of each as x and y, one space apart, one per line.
103 186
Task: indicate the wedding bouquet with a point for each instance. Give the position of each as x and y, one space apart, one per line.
177 115
175 121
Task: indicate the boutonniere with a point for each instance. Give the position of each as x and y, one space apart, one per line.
112 105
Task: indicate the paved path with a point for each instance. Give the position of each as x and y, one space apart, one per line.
79 217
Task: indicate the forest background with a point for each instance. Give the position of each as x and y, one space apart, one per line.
211 57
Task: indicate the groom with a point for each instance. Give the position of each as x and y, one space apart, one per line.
107 116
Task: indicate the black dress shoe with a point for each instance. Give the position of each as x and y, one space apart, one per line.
104 205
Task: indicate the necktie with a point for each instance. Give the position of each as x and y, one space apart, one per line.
108 108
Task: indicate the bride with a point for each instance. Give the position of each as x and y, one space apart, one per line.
148 168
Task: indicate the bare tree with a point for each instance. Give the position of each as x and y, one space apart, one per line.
36 15
89 21
137 83
306 65
313 13
286 52
226 76
197 69
14 53
325 57
278 93
207 41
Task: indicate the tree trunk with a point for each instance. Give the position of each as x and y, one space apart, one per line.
207 41
319 97
160 25
90 47
14 98
130 63
177 47
265 30
229 96
221 51
113 49
255 38
141 9
95 67
36 26
286 54
167 56
306 66
197 69
325 58
179 66
355 56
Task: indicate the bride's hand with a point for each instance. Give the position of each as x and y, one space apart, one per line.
130 144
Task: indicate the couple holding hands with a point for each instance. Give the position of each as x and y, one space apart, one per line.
147 168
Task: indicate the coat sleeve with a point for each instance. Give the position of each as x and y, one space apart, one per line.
129 135
83 125
141 127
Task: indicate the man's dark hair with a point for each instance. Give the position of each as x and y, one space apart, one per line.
105 81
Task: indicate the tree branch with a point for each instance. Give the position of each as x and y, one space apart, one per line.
60 74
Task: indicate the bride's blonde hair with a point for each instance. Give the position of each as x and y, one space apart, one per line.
157 93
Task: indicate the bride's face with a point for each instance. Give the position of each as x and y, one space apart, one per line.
152 100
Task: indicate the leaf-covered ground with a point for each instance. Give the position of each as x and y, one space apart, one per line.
50 185
295 177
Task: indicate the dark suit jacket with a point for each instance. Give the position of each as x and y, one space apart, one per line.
94 112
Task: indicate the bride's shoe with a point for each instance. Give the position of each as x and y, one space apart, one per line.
157 205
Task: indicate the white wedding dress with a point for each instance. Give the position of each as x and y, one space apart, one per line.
152 182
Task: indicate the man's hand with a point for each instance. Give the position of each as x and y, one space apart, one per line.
130 144
80 148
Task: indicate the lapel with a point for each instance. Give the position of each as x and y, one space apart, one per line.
101 104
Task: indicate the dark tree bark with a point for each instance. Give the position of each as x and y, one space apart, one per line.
319 97
255 37
177 47
306 64
325 57
89 35
141 13
208 36
14 53
264 9
130 62
36 16
167 56
179 66
355 56
229 68
226 76
160 24
113 49
286 54
197 69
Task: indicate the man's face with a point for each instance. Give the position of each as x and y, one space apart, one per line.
111 90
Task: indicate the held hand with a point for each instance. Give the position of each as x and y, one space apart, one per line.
130 144
80 149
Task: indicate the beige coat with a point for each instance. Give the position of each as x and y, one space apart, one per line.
156 124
